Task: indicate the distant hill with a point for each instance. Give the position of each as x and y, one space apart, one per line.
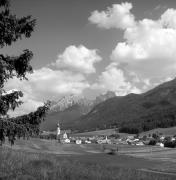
133 113
69 108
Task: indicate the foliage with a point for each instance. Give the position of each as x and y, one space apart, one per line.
170 144
152 142
116 136
155 136
129 130
12 29
144 138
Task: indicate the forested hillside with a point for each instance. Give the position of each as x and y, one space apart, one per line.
134 113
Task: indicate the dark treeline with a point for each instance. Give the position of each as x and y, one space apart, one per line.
158 118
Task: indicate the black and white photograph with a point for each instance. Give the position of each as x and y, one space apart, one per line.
87 90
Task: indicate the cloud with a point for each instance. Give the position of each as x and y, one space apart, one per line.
113 79
117 16
80 59
149 49
28 106
149 46
168 19
46 84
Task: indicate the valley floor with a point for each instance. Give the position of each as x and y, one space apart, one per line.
45 159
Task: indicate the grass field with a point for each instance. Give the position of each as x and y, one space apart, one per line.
105 132
44 159
165 131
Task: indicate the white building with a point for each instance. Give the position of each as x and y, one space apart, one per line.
78 141
65 135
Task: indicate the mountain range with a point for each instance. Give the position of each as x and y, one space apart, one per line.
69 108
134 113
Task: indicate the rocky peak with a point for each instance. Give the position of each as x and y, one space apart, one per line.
68 101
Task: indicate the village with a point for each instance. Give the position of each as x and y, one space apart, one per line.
66 137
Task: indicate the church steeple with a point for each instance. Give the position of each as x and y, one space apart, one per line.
58 131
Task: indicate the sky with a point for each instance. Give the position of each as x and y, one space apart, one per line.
89 47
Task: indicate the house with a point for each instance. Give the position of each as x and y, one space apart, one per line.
78 141
162 138
172 139
130 137
88 142
160 144
140 144
104 141
66 141
65 135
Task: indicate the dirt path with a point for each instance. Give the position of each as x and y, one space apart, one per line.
157 172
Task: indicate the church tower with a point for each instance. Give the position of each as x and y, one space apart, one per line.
58 131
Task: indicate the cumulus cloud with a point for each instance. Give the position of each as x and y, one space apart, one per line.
28 106
48 84
149 46
79 59
45 84
114 79
117 16
168 19
149 49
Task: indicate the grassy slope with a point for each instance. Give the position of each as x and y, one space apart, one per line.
52 147
105 132
165 131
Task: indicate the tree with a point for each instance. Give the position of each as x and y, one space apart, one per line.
12 29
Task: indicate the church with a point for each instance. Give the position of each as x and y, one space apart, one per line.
62 135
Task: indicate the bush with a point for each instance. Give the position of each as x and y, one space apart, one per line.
167 139
116 136
155 136
144 138
152 142
170 144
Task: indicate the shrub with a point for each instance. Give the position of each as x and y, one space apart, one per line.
152 142
170 144
116 136
144 138
155 136
167 139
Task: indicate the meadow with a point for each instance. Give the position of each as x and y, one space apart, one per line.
44 159
171 131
